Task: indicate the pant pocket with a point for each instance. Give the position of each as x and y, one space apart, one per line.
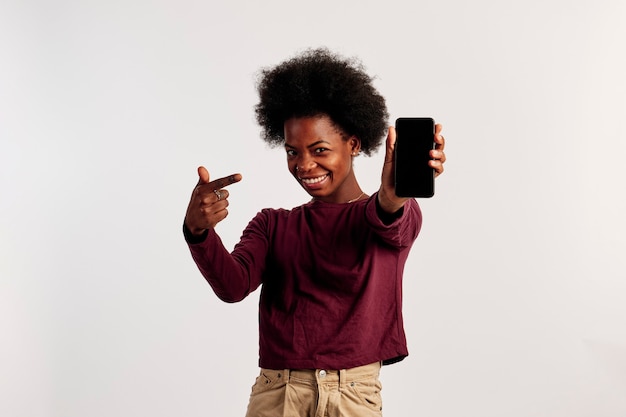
368 393
267 380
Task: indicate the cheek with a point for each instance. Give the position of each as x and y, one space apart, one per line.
345 163
291 166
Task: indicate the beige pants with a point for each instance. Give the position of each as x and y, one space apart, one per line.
317 393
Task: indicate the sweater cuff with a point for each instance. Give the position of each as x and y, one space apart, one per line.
387 218
193 239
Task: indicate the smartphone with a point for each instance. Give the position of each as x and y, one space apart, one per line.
415 138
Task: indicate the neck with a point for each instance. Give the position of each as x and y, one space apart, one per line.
352 200
357 198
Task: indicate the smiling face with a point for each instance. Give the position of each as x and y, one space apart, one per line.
320 158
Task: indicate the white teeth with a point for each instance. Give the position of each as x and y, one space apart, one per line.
313 180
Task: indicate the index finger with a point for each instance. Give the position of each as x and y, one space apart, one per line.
225 181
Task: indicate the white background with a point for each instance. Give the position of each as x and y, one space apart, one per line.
515 292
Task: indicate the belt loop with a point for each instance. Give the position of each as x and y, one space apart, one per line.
286 375
342 380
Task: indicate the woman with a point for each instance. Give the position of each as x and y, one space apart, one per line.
330 311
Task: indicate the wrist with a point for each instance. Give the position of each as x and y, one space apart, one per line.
390 203
385 216
194 236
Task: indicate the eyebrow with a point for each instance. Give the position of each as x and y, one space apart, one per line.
308 146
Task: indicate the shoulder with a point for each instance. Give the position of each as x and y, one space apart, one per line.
275 212
272 215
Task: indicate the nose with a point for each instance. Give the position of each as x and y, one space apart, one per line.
305 163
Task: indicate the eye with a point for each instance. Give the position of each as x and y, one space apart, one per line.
291 152
320 150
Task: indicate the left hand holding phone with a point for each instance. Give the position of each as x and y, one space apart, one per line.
387 197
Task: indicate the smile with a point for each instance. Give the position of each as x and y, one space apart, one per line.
316 180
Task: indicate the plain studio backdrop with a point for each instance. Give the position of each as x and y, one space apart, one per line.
515 291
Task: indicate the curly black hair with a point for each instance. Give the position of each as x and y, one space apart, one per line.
319 82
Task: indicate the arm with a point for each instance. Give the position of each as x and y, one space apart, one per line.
233 276
398 229
230 276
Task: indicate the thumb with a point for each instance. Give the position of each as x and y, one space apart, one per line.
390 144
203 175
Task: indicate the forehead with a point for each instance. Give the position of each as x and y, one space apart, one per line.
302 130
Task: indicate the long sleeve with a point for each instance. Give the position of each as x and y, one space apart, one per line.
403 230
233 276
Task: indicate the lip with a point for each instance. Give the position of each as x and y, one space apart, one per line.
314 182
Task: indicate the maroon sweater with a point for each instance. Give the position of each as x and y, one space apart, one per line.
332 281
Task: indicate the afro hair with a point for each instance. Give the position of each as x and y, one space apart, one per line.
319 82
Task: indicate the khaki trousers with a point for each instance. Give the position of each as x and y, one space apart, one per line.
317 393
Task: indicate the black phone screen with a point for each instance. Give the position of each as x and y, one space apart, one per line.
415 138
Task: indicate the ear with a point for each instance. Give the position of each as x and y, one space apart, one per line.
355 145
